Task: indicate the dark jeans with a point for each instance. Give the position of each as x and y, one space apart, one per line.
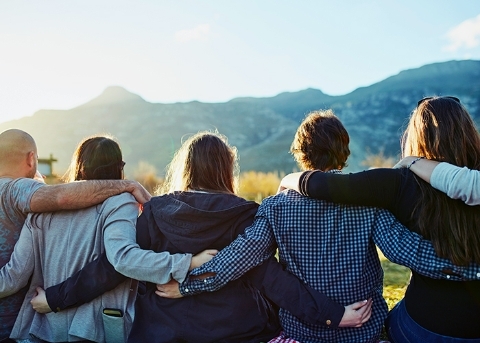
401 328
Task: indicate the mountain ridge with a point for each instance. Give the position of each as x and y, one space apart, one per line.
261 128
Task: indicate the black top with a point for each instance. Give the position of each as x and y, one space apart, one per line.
450 308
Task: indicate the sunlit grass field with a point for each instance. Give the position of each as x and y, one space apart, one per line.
395 283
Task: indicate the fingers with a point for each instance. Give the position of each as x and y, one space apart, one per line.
39 292
140 193
357 314
212 252
358 305
167 291
364 312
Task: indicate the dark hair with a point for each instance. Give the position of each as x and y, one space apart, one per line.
96 158
205 161
321 142
441 129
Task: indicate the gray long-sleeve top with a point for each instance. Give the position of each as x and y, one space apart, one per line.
52 246
457 183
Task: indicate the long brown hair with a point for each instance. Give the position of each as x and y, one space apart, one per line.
205 162
96 158
441 129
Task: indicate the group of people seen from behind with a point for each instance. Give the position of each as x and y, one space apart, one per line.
83 262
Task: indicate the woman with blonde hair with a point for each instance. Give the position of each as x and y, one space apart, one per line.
433 310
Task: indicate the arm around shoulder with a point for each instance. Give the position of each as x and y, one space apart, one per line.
128 258
81 194
457 183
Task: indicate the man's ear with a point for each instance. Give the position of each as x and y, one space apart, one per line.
31 159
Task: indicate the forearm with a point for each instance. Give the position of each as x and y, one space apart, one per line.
128 258
76 195
376 187
409 249
423 168
146 265
247 251
457 183
293 295
91 281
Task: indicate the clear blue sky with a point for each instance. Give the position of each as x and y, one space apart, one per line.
60 54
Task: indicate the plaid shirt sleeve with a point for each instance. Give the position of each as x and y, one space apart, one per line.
247 251
402 246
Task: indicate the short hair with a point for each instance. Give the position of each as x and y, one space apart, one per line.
321 142
96 158
205 161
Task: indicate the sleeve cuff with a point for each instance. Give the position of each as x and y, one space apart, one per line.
54 302
303 182
182 267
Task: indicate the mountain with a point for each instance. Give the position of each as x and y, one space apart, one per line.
261 128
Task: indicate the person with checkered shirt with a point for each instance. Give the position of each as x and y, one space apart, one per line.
441 129
328 246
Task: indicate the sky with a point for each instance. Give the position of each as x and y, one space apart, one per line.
61 54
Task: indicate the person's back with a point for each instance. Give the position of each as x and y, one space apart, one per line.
20 195
62 243
329 247
14 194
53 246
17 151
191 222
200 210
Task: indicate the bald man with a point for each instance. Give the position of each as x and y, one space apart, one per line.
21 194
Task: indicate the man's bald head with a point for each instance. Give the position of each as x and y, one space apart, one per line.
16 151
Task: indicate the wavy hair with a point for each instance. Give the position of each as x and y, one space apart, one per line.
204 162
441 129
321 142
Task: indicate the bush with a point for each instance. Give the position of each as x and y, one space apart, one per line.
258 185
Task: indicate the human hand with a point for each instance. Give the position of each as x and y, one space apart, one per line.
290 181
171 290
39 301
356 314
139 192
39 177
201 258
406 162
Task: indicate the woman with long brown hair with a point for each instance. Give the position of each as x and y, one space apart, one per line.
433 310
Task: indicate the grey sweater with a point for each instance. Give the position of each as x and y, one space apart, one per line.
52 246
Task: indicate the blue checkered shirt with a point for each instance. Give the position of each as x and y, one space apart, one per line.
331 248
